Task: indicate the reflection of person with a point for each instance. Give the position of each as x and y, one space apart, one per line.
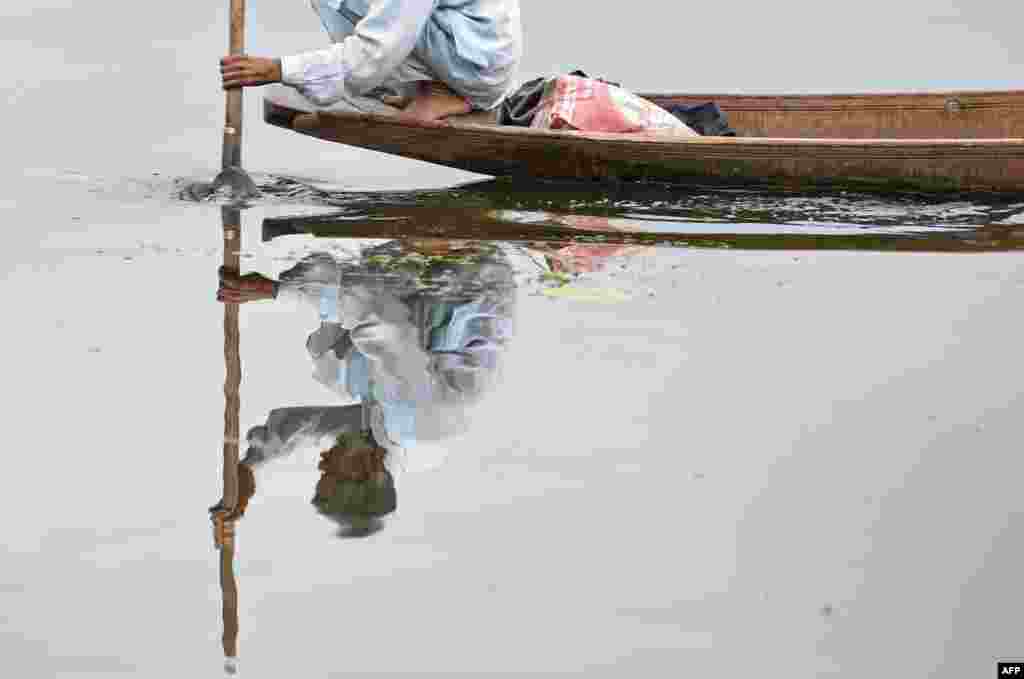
448 56
356 488
414 334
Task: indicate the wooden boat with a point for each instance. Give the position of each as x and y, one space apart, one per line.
934 142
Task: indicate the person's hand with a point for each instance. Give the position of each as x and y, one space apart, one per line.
244 71
224 518
237 289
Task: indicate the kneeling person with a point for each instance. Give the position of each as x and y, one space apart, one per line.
436 58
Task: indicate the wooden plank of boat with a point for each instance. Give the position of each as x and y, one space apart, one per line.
941 142
937 115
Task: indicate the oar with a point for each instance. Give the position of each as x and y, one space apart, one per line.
231 217
231 176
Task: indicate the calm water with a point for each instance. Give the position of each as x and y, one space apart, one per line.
710 428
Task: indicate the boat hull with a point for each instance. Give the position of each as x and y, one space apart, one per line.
878 164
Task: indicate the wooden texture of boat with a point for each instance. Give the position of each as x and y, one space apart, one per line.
931 142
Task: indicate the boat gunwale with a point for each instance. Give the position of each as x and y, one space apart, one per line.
937 100
943 145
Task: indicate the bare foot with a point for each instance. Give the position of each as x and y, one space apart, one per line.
396 100
436 101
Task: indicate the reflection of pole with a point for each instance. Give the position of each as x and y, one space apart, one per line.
232 220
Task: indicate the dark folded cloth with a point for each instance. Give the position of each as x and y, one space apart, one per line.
521 106
705 119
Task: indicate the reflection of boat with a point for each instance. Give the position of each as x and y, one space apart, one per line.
411 222
942 142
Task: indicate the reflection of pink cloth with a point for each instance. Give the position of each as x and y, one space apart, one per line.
588 258
575 103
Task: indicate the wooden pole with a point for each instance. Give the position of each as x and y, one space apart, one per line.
231 218
229 589
232 151
231 174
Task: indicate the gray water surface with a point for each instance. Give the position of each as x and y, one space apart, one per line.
778 430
